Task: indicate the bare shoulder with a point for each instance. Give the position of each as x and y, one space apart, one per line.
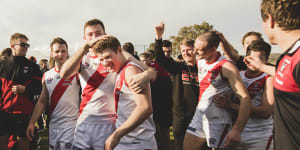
229 69
131 71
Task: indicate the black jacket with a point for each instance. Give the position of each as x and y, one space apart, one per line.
18 70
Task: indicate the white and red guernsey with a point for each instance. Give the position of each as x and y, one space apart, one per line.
125 105
211 83
256 127
63 99
97 83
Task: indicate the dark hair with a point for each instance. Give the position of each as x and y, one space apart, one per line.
166 43
59 41
286 13
179 57
252 33
151 53
211 37
108 42
7 51
146 55
128 47
261 46
16 36
94 22
43 61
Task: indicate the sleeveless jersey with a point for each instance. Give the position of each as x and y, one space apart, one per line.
255 87
63 99
211 83
125 105
97 83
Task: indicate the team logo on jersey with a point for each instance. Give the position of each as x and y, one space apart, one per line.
283 66
26 69
104 71
214 75
49 80
68 145
57 76
118 92
85 65
212 141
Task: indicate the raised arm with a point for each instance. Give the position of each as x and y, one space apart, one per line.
168 64
72 65
38 110
141 112
228 49
231 73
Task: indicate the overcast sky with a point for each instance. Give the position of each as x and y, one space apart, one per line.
129 20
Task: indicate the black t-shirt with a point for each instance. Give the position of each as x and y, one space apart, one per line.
287 100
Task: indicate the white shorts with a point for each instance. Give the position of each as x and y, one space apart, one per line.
141 145
92 136
258 143
213 133
61 138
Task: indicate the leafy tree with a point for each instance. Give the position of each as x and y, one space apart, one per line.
151 46
190 32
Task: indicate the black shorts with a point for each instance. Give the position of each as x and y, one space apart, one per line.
15 124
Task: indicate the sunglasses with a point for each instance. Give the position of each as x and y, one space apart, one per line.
23 44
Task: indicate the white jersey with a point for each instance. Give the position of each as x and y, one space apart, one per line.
125 105
97 83
63 99
211 83
255 87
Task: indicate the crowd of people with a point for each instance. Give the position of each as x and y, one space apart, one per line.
105 96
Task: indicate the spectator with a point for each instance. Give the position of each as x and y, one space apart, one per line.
21 79
185 82
161 93
6 53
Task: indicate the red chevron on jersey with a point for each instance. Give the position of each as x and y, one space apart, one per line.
211 75
92 85
58 91
257 85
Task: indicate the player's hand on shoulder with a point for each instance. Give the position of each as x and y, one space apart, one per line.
136 79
